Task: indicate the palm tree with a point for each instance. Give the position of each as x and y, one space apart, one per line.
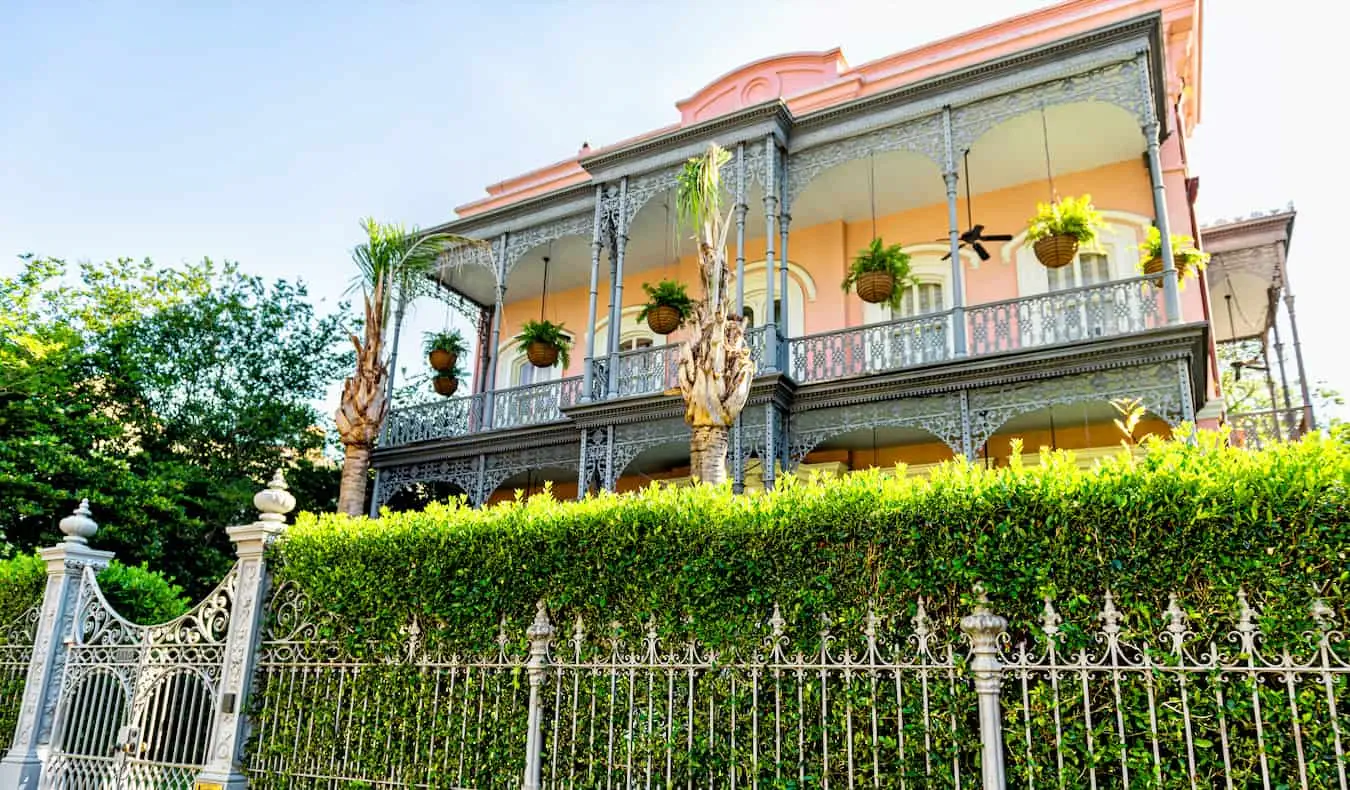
395 266
715 364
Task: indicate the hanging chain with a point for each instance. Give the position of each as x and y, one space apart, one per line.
543 293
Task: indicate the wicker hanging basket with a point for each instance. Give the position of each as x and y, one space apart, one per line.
1154 265
442 360
663 319
542 355
1056 251
875 287
445 385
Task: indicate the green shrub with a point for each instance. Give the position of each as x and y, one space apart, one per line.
136 592
1199 520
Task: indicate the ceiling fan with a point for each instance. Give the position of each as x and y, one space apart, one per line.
975 234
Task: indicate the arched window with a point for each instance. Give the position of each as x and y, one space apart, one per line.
929 293
515 370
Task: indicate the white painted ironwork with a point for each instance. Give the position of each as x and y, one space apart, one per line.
1120 307
16 650
335 712
872 706
1257 429
1175 708
136 702
534 404
649 371
870 349
441 419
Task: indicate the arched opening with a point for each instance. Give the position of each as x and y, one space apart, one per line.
883 447
1087 428
557 293
662 464
175 720
416 496
556 480
92 714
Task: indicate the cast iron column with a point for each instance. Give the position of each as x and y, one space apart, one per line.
491 388
738 431
588 374
784 220
1293 333
620 240
1152 130
770 215
950 177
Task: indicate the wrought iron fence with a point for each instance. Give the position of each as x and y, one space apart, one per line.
649 371
1115 308
853 713
1173 708
870 349
16 650
438 420
885 701
1257 429
534 404
334 712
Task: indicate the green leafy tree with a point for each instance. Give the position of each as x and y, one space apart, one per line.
164 396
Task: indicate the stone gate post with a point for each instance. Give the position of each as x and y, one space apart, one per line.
229 729
21 768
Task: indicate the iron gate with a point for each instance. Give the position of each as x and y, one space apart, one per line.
137 702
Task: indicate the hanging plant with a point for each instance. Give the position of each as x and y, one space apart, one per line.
879 273
446 382
1187 258
544 343
1059 228
444 348
668 306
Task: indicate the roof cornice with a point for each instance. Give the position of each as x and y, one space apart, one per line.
730 129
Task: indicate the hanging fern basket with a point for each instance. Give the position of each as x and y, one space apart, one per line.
445 385
1056 251
442 360
542 355
875 287
663 319
1154 265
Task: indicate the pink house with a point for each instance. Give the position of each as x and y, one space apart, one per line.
946 148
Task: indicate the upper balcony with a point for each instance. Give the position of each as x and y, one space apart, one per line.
1061 318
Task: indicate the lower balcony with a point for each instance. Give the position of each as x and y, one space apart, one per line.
1078 315
1257 429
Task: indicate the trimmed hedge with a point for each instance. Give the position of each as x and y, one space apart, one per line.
1200 520
136 592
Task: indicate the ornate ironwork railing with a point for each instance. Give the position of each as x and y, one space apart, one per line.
870 349
1256 429
1110 309
600 378
534 404
438 420
893 699
649 371
1121 307
16 649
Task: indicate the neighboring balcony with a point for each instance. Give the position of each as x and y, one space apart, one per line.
1258 429
1072 316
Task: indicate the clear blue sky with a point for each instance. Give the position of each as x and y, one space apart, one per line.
261 132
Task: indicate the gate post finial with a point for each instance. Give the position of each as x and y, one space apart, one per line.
984 628
21 768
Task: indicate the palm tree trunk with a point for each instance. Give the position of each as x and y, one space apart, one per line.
355 471
708 453
393 350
